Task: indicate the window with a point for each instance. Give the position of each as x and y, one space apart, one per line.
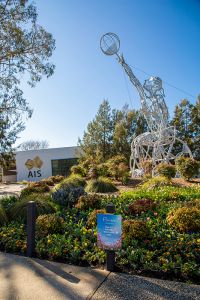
62 166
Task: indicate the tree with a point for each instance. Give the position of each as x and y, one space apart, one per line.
25 49
33 145
96 142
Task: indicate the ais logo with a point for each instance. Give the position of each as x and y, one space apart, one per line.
34 163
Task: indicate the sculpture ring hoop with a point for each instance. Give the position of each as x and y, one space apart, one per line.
110 43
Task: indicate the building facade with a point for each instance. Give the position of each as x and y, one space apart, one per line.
34 165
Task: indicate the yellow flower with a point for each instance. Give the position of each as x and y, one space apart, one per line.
49 241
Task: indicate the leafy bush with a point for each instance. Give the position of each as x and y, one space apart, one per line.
71 181
147 166
141 205
68 195
35 187
92 220
185 219
43 206
89 201
48 181
3 217
117 166
13 238
100 185
102 170
49 224
93 172
57 178
187 167
155 182
166 170
78 170
8 201
135 229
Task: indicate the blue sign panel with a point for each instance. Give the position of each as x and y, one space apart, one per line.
109 229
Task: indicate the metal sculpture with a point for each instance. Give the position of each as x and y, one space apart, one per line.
156 145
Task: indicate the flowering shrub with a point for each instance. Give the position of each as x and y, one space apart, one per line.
134 229
48 224
140 206
166 170
68 195
13 238
89 201
185 219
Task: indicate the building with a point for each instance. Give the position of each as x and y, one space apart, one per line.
34 165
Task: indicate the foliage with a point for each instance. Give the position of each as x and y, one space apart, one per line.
167 170
185 219
155 182
3 217
135 229
147 166
92 220
57 178
33 145
48 181
71 181
78 170
118 169
141 205
13 238
187 167
49 224
67 195
35 187
25 50
100 185
88 201
43 206
8 201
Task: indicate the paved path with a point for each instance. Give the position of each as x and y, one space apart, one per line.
10 189
23 278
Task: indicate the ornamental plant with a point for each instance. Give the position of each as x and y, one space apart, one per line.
49 224
185 219
92 220
187 167
100 185
166 170
3 217
141 205
135 229
156 182
68 195
88 201
35 187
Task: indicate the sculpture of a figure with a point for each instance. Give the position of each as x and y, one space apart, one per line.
157 144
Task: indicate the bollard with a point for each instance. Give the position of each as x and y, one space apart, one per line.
31 213
110 254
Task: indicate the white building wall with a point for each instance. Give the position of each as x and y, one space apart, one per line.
46 156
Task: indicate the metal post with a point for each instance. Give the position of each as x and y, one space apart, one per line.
31 213
110 254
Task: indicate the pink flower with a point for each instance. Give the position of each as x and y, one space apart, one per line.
148 218
155 214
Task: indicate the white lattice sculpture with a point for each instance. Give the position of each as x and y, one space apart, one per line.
156 145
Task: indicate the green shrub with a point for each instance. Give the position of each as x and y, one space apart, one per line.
3 216
141 205
8 201
155 182
35 187
100 185
71 181
57 178
78 170
93 172
185 219
102 170
48 181
13 238
147 166
135 229
89 201
49 224
117 166
43 206
92 220
166 170
187 167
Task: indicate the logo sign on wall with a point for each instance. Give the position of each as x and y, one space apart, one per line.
34 163
109 231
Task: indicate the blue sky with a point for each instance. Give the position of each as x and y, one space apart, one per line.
161 37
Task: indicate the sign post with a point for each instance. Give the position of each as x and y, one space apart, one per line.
109 234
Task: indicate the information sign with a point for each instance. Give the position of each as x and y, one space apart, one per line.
109 229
